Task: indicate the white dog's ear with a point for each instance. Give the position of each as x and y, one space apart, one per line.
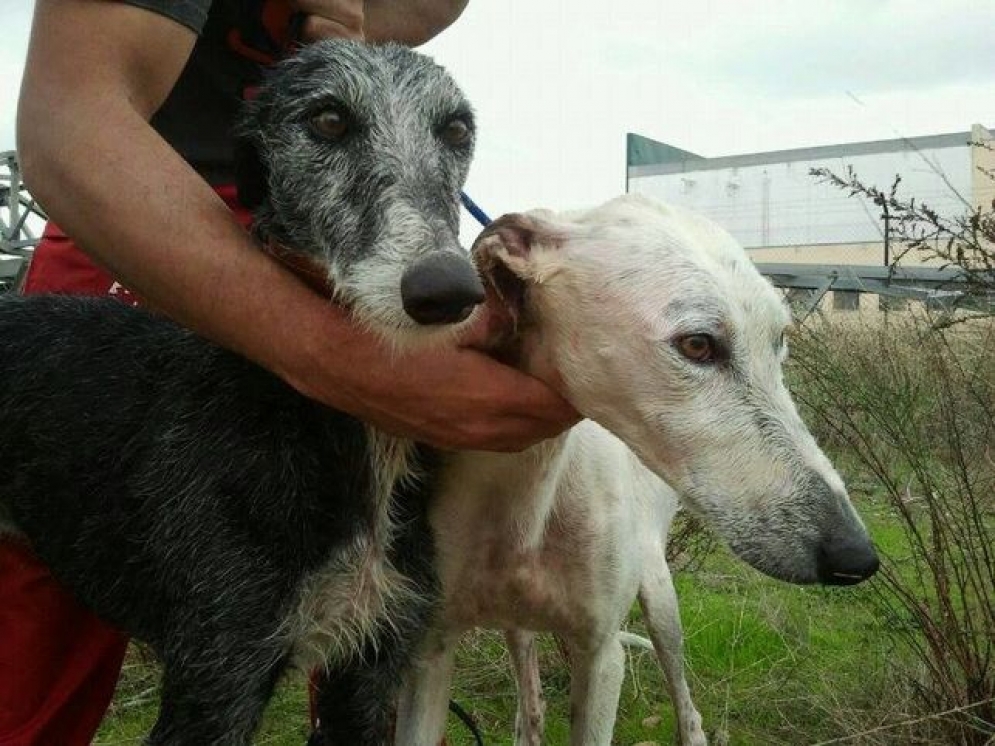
505 254
512 238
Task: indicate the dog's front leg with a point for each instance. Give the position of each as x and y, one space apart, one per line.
530 717
355 702
354 705
597 667
659 602
424 702
215 694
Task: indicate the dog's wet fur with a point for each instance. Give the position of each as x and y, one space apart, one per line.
195 500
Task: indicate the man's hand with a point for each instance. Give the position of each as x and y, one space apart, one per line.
450 398
411 22
330 19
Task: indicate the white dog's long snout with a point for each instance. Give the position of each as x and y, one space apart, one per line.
845 555
810 536
608 292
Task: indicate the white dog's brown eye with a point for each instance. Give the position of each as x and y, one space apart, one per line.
698 348
330 123
455 132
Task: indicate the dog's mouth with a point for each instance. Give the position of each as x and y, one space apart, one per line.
503 308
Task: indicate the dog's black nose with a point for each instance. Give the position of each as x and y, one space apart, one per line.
441 288
847 561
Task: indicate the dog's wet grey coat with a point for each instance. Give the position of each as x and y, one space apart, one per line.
379 197
193 499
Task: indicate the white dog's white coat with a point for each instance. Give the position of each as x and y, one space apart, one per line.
565 536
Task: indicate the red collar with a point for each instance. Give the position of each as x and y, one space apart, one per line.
312 272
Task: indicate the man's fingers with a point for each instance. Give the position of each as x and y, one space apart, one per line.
533 415
537 399
477 333
316 28
328 19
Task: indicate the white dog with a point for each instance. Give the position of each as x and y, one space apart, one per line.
656 326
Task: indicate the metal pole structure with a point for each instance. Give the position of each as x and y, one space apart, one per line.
887 234
17 207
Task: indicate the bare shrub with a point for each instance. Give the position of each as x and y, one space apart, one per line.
688 543
914 407
964 242
913 402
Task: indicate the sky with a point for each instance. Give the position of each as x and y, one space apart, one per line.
557 84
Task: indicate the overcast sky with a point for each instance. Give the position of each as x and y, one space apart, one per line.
556 84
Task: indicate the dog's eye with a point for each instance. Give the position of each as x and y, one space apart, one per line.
698 348
456 132
331 124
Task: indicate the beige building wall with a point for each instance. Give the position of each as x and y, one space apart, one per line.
983 168
869 254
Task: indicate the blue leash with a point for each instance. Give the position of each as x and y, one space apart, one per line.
474 209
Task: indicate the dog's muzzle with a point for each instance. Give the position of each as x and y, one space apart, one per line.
845 555
441 288
846 562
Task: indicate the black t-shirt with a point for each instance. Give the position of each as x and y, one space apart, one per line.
198 117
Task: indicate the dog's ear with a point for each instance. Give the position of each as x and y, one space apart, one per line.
515 235
505 254
513 232
251 174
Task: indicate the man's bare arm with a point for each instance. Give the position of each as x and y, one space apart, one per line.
110 181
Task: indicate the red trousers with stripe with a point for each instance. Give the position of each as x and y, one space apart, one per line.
59 663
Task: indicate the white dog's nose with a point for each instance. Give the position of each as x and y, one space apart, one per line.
441 288
847 561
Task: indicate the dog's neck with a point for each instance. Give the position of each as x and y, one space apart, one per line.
513 335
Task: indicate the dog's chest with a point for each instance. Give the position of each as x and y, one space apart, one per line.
497 583
349 600
541 540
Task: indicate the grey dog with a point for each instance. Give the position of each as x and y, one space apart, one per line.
199 503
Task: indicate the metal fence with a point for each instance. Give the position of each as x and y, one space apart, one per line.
20 222
940 289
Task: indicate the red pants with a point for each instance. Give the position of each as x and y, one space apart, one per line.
59 663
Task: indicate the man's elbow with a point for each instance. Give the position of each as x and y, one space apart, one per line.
50 135
33 153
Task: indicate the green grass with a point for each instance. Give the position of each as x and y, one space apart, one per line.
768 664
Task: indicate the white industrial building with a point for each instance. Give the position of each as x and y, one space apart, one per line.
781 213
